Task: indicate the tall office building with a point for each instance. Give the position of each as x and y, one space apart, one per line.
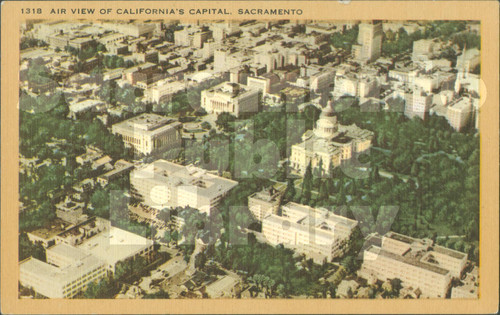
369 44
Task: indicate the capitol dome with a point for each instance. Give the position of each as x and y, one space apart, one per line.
327 126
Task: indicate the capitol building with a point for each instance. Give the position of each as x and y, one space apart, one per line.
329 143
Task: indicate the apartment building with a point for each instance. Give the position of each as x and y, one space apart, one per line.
167 184
418 263
149 133
316 233
231 98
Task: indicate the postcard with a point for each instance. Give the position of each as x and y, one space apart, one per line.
250 157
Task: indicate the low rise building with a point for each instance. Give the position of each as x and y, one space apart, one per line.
226 287
149 133
83 106
70 210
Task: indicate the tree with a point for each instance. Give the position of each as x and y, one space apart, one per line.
175 236
350 264
28 248
290 189
225 121
206 125
396 286
200 260
106 288
162 294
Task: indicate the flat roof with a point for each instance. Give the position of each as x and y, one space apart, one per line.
207 185
147 122
449 252
115 245
67 251
65 274
407 260
56 228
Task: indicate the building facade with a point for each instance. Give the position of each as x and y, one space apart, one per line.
418 263
329 144
369 45
67 272
231 98
264 202
316 233
167 184
149 133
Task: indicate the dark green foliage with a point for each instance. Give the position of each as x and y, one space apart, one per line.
345 39
107 288
158 295
28 248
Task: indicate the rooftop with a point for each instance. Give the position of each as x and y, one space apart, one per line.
148 123
207 185
65 274
407 260
115 245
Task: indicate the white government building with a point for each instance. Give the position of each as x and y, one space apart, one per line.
69 269
329 142
316 233
149 133
228 97
166 184
66 273
418 263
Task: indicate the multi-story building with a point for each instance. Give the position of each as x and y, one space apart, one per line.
351 84
468 60
329 144
62 41
164 91
267 83
417 103
418 263
77 234
70 210
192 37
264 202
459 113
231 98
167 184
322 80
149 133
114 245
425 49
316 233
369 45
67 272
